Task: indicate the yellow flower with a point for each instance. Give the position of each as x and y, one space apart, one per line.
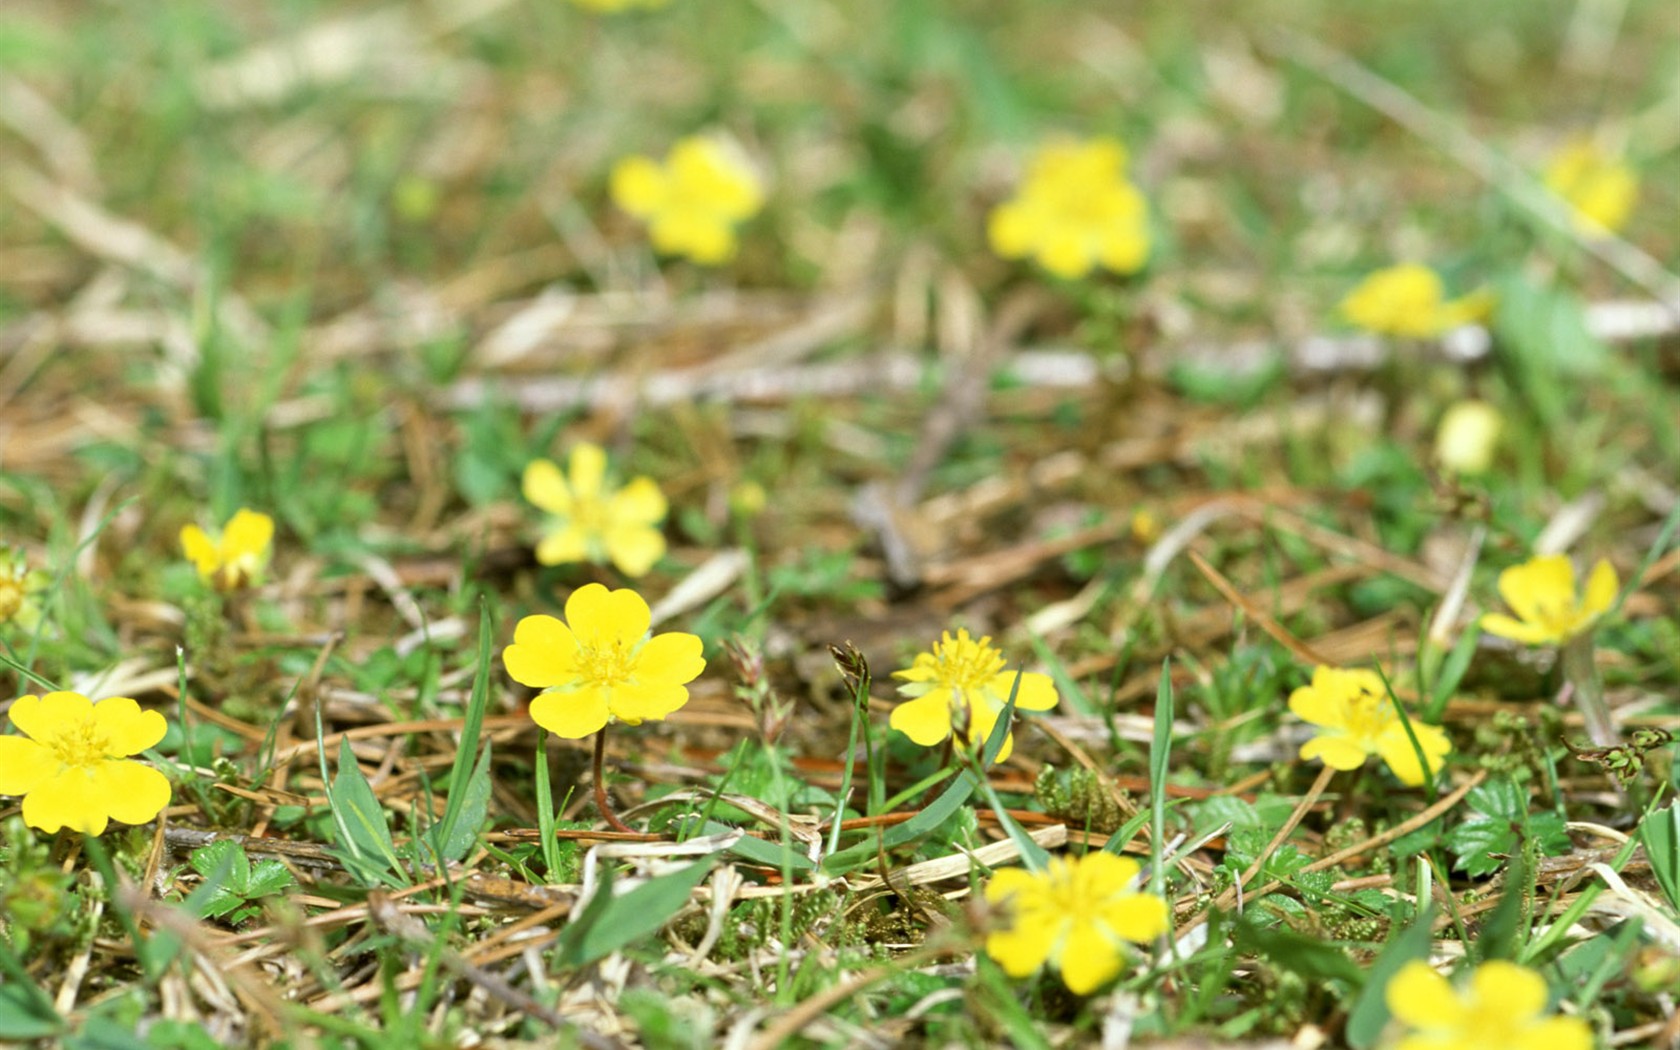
1467 437
20 589
962 680
1077 913
1409 300
611 6
71 764
593 522
1502 1007
603 665
1074 211
693 201
1541 591
1599 189
235 558
1357 719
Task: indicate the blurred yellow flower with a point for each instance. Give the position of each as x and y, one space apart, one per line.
592 521
1468 437
1598 187
1074 211
1502 1007
600 663
20 589
1077 914
692 202
237 556
1357 719
1541 591
963 681
71 764
610 6
1409 300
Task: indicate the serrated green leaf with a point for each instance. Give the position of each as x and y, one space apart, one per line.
268 877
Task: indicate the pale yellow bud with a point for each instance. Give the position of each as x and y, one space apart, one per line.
1468 437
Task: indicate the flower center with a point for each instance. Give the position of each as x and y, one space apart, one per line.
80 745
965 663
605 665
1368 715
590 515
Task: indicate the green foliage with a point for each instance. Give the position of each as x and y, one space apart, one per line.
610 922
1659 833
233 885
1498 824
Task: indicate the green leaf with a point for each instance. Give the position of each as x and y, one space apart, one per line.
468 801
609 923
1501 936
360 819
1369 1015
1160 756
268 877
1659 833
932 817
26 1012
757 850
1498 823
1309 957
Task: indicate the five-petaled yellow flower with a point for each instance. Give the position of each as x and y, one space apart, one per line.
20 589
1077 914
237 556
1541 591
72 767
963 681
600 664
1600 189
692 202
1409 300
1074 211
1501 1007
592 521
1357 719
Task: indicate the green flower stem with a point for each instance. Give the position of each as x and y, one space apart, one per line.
601 802
1580 670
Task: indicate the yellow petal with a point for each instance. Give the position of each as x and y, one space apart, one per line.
601 617
200 550
1557 1033
70 799
635 549
1022 949
1102 874
639 186
1013 884
1009 230
1065 254
926 720
1319 707
585 470
127 729
248 532
1037 692
1420 997
982 717
133 793
1139 917
1397 751
1518 630
1088 960
1337 752
543 654
24 764
674 657
638 503
574 714
545 487
637 702
1543 584
1125 250
43 718
1601 590
563 546
1517 993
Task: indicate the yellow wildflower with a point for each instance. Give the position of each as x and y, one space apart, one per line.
1541 591
963 681
600 663
237 556
1467 437
693 201
1600 189
1357 719
20 589
1502 1007
1077 913
592 521
1075 211
612 6
71 764
1409 300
